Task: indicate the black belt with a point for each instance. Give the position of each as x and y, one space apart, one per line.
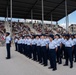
43 46
33 45
51 49
68 47
7 43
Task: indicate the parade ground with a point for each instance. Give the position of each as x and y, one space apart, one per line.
20 65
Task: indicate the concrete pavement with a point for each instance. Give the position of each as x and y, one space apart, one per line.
20 65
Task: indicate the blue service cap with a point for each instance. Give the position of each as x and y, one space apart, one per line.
67 35
57 35
52 36
63 34
43 35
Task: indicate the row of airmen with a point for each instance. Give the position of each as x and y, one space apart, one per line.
51 47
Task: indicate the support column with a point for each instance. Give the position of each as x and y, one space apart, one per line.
11 15
56 23
42 16
32 17
5 19
66 12
51 21
7 13
6 22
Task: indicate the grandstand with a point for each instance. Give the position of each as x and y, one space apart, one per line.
18 27
2 31
53 10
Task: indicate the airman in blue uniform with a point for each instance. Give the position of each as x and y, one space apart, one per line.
52 53
34 51
43 50
68 47
58 41
8 45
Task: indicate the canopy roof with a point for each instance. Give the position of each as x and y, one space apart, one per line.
22 8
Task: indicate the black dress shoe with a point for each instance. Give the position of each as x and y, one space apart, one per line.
71 66
49 67
59 63
42 64
54 69
75 61
7 57
65 65
40 61
45 65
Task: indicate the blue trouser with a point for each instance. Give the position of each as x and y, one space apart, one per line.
22 48
25 50
19 47
29 53
75 52
8 50
69 56
52 58
44 55
16 46
59 55
63 49
39 54
34 52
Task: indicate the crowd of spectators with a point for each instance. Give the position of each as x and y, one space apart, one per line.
2 32
38 28
25 29
18 27
2 27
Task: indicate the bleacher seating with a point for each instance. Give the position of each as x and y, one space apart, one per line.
24 28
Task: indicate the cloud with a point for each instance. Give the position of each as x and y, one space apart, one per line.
64 24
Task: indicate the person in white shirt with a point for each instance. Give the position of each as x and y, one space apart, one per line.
29 44
63 46
34 51
47 48
8 45
68 47
43 49
23 44
20 44
52 53
38 47
74 40
58 41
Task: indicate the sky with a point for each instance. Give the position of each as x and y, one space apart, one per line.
62 22
72 19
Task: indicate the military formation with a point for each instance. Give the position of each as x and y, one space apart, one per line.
43 48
